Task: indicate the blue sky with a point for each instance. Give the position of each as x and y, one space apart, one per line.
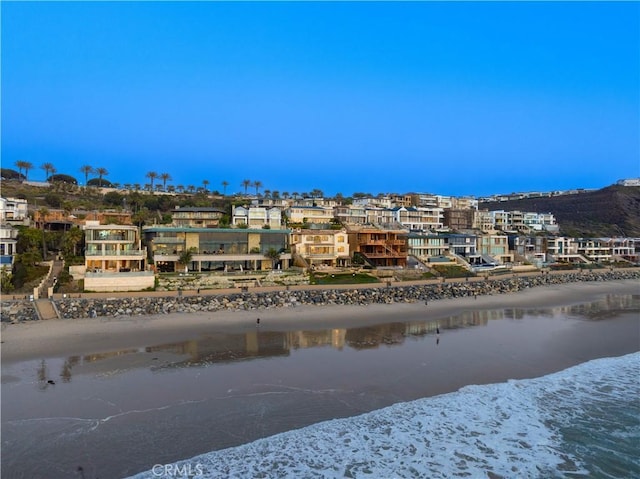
454 98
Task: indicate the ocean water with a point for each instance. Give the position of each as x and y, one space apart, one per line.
580 422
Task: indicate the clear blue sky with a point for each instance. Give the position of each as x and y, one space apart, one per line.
456 98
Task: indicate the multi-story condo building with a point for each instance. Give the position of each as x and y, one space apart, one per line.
380 248
196 217
310 214
115 259
8 241
257 216
217 249
321 247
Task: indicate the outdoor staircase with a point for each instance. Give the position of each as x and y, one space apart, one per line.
46 309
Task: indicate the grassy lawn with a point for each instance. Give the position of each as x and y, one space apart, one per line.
347 278
452 271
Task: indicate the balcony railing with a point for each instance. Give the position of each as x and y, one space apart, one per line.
137 253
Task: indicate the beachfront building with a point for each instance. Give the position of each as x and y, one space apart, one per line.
425 246
564 249
115 259
196 217
8 242
217 249
529 248
379 247
626 249
310 214
321 248
494 245
595 249
257 216
460 244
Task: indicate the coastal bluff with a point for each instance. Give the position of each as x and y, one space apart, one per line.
17 311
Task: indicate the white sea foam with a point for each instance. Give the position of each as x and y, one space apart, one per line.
512 429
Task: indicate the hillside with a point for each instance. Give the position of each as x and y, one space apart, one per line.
610 211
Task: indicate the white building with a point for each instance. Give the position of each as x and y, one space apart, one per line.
14 211
257 216
8 241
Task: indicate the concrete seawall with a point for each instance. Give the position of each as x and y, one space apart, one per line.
73 308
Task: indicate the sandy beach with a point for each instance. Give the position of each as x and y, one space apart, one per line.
90 335
132 392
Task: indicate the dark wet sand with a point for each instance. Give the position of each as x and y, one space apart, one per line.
135 392
60 337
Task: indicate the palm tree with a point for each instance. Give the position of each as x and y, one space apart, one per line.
49 169
27 166
191 188
205 183
165 177
295 194
285 195
224 187
101 172
258 185
180 188
246 184
152 175
24 165
86 170
186 256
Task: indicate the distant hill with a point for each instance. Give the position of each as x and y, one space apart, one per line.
610 211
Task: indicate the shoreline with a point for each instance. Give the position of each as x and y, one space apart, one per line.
222 381
57 337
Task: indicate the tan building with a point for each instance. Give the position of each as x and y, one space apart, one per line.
310 214
321 247
115 259
217 249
